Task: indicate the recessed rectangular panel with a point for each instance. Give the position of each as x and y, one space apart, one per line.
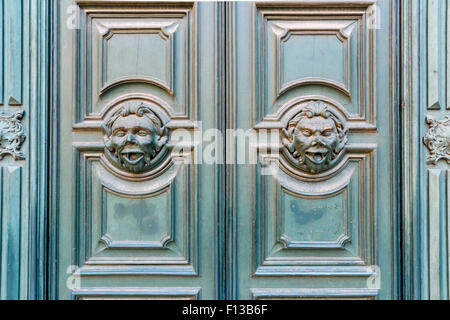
434 72
137 222
124 51
316 227
137 54
324 51
11 180
321 51
128 227
13 48
315 221
434 239
436 55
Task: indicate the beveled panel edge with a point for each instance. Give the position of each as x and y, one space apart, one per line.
133 3
168 270
148 80
315 3
129 292
313 293
314 271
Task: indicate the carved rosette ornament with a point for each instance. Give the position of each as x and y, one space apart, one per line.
12 136
437 140
134 137
315 138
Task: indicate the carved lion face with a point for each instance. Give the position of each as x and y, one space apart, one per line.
315 137
134 137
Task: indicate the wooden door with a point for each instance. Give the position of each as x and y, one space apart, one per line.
313 217
136 218
316 216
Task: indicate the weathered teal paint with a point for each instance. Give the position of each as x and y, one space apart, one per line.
43 212
168 239
13 40
12 209
24 86
265 260
2 53
425 79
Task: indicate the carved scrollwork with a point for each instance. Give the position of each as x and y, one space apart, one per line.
315 138
12 135
135 137
437 140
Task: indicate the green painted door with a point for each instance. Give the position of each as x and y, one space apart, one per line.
24 86
316 216
157 195
137 218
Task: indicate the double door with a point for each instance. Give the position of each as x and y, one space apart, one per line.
226 150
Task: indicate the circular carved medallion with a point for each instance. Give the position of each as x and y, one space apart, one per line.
135 137
315 138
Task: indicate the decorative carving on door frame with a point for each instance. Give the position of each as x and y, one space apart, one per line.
437 140
12 135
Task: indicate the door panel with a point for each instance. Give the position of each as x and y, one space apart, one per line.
313 218
316 77
137 219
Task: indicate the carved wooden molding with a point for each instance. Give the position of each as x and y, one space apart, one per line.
437 140
12 135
